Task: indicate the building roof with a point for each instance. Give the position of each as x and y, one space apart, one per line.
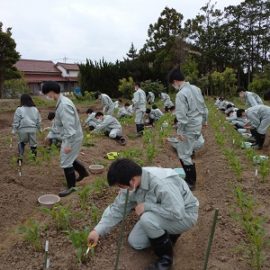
66 66
36 66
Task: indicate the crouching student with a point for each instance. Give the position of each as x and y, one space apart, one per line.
90 121
68 123
163 202
26 124
107 103
259 119
168 104
125 111
150 98
240 121
153 114
110 126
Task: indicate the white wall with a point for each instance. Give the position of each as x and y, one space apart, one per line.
72 73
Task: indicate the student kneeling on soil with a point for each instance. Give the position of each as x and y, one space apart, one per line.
259 119
68 123
91 121
163 202
107 103
153 114
26 123
110 126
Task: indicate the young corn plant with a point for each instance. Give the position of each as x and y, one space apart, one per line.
31 233
264 169
234 162
79 242
99 185
61 215
253 226
95 214
84 195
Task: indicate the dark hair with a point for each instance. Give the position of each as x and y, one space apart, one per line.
229 106
27 101
148 110
154 106
120 100
175 75
137 84
266 95
51 116
172 108
89 111
97 94
50 86
122 170
240 89
127 104
98 114
240 112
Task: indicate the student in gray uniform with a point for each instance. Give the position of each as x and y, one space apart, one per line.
154 114
110 126
163 202
168 104
139 106
251 99
26 123
54 136
150 97
190 110
67 122
259 119
125 111
107 103
91 121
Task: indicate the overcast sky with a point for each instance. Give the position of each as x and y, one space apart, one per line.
79 29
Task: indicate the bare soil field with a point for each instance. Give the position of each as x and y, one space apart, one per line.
18 203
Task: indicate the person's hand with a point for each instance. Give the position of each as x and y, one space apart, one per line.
181 137
92 238
67 149
139 209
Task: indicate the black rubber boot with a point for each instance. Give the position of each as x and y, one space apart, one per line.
21 146
260 140
34 151
174 237
140 129
106 133
191 175
121 140
80 169
163 248
71 180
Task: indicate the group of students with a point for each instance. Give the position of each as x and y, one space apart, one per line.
162 200
254 120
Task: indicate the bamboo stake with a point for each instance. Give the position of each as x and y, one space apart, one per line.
121 232
210 240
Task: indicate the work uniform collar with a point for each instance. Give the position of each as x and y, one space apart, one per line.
59 100
144 180
183 85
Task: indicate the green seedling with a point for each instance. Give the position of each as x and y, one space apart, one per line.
61 216
253 226
79 242
95 214
264 169
31 233
84 195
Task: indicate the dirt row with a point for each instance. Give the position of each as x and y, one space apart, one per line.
18 197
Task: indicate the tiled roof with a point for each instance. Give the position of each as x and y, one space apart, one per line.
66 66
27 65
42 78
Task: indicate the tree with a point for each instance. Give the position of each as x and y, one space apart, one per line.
132 53
8 56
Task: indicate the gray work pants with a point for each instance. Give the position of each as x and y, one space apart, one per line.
152 225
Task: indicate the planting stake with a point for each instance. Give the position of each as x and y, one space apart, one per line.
210 240
20 168
121 233
11 142
47 260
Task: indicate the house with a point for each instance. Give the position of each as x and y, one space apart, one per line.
37 71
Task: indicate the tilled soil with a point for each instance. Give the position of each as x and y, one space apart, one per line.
18 203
